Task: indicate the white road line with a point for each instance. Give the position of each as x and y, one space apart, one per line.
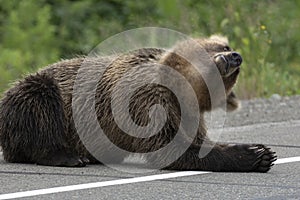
287 160
99 184
53 190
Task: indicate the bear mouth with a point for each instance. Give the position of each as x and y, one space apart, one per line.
224 65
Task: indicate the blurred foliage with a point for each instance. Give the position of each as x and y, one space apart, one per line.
266 33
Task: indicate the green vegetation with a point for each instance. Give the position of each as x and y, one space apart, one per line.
267 33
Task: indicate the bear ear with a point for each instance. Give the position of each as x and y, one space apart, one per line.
219 38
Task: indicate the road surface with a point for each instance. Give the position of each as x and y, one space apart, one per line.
278 127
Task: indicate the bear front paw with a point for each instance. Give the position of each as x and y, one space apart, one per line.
265 158
250 158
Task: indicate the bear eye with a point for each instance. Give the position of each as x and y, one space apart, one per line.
226 48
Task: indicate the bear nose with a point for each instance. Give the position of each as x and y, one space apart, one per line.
236 59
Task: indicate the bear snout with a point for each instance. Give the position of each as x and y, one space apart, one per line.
228 62
235 59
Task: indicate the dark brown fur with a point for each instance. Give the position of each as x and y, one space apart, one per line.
37 126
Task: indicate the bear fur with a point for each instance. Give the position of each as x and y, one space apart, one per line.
37 122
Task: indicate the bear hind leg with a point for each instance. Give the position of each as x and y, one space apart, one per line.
32 124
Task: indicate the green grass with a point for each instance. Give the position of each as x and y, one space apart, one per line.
266 33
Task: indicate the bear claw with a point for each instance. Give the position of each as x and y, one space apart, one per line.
265 159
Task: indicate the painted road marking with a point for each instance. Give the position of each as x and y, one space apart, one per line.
99 184
68 188
287 160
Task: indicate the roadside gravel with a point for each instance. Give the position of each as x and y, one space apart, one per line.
274 109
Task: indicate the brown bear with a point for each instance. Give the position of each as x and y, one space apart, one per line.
37 117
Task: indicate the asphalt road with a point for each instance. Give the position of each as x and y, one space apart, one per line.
282 182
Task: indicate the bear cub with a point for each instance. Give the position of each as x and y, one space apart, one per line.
37 122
